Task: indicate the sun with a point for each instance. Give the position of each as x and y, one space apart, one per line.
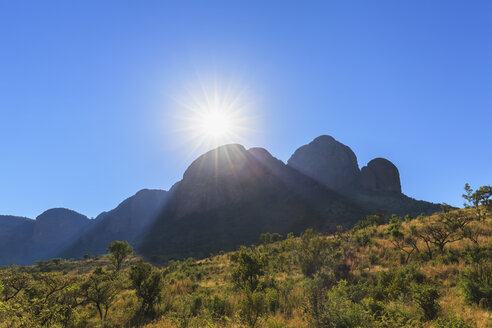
216 124
214 114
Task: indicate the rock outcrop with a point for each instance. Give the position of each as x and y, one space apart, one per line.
381 175
328 161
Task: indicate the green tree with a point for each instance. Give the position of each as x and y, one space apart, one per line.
316 251
479 200
119 250
148 283
476 280
252 307
333 308
51 300
405 242
448 228
13 284
425 297
101 289
250 267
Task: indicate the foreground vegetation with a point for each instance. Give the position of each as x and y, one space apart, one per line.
431 271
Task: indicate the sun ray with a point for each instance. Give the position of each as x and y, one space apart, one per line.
214 114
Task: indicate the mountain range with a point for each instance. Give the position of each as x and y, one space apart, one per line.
226 198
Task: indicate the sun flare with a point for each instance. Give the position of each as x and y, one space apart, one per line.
216 124
213 114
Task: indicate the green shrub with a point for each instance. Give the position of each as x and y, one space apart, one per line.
395 284
476 284
451 322
253 307
425 297
396 318
333 308
217 307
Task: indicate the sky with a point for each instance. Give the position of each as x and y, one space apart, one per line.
95 96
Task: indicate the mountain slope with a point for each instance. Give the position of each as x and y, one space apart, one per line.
25 241
128 221
229 196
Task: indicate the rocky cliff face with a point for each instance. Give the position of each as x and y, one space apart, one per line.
380 174
327 161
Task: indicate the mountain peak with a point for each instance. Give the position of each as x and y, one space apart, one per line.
328 161
380 174
60 213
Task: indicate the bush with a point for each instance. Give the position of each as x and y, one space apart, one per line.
250 267
476 284
148 283
253 307
217 307
334 308
451 323
393 318
316 252
425 298
395 284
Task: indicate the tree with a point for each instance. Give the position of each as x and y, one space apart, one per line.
252 307
148 283
479 200
316 252
119 250
448 228
425 297
250 266
267 238
326 308
13 284
401 241
101 289
51 298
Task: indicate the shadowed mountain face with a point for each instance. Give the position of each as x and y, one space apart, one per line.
229 196
380 174
327 161
375 188
25 241
128 221
14 231
64 233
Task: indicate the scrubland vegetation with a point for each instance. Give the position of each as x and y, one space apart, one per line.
433 271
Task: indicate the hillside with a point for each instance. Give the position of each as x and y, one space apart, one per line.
385 272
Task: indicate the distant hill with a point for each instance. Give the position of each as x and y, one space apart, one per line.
128 221
25 241
65 233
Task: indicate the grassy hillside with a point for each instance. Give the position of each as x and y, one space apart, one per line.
386 272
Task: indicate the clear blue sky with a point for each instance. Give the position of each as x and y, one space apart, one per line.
88 88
